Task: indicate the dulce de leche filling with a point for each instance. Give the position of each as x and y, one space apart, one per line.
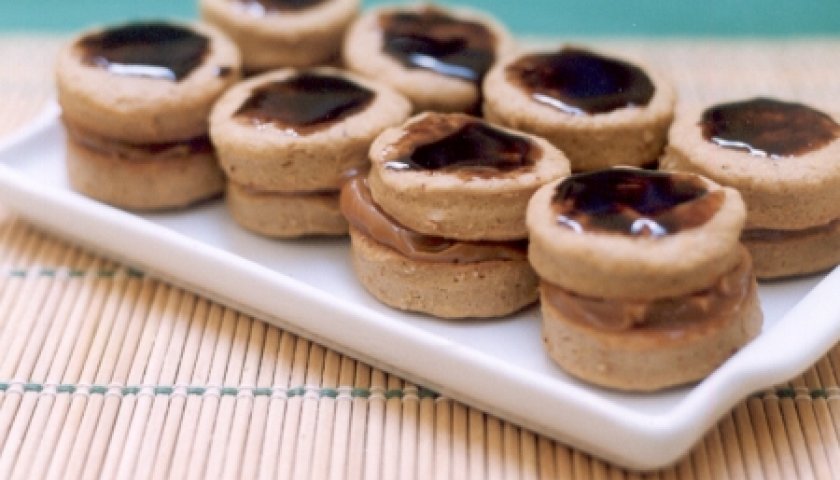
138 152
779 235
364 215
670 315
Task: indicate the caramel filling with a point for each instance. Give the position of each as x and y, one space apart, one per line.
364 215
139 152
778 235
670 315
255 191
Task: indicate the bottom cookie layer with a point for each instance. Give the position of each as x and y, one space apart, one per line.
286 215
779 253
647 358
451 290
146 180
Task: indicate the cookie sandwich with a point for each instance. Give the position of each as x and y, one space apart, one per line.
135 100
643 282
283 33
784 158
287 139
438 225
600 110
437 57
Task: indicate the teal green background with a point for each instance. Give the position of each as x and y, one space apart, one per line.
543 17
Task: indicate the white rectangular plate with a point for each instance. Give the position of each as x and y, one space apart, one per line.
499 366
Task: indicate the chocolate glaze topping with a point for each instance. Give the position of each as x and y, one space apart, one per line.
432 40
634 202
305 103
156 50
768 128
462 144
263 7
579 82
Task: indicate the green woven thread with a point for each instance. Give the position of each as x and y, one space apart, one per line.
197 391
73 273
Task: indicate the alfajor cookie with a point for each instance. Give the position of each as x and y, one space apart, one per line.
601 111
784 158
287 140
135 100
437 57
644 284
438 225
283 33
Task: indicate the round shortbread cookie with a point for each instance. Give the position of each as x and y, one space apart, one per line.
457 202
300 35
458 90
142 179
619 265
286 215
133 103
649 357
264 156
620 135
451 290
786 193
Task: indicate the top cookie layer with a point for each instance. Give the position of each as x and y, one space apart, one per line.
783 157
602 111
455 176
634 234
145 82
573 88
437 57
283 33
294 131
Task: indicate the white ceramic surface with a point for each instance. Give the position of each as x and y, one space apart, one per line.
497 365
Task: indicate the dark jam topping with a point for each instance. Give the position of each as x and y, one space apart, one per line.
432 40
579 82
262 7
156 50
634 202
305 103
768 128
462 144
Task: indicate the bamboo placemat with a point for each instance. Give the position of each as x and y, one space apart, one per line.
107 372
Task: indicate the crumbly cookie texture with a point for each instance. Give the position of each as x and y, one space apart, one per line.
426 89
285 215
620 266
448 205
295 38
269 159
145 110
632 136
145 182
648 359
449 290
